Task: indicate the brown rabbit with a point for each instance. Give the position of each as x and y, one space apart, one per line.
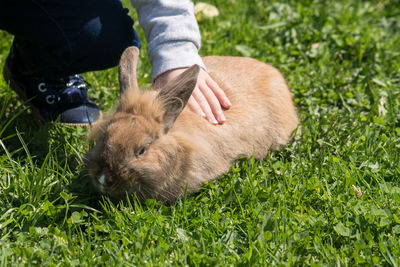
156 148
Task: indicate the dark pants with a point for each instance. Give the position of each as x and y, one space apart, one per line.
55 38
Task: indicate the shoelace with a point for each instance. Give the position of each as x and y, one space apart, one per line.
76 80
68 92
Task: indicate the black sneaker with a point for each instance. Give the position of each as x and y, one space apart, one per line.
63 100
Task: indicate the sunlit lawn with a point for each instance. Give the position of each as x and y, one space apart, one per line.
332 197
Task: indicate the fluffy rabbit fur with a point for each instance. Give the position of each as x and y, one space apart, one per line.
156 148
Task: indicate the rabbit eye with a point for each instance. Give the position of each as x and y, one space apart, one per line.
141 150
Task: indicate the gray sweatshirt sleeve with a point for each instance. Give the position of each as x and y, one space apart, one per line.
172 33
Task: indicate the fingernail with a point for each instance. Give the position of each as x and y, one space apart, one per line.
203 115
221 118
213 121
228 103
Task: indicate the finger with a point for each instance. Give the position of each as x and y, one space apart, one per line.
195 107
218 92
212 102
204 105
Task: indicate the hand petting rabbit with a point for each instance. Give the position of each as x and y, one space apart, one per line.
154 147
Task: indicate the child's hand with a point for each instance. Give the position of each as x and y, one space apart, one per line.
206 99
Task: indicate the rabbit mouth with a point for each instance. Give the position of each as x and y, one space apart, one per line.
115 189
101 180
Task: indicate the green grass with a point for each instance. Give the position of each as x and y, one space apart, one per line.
296 207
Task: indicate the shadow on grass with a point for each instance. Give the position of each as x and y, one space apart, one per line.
19 128
17 123
58 149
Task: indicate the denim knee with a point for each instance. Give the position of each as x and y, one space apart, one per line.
103 39
61 38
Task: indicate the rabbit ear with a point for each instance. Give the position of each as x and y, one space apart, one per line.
176 94
127 69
